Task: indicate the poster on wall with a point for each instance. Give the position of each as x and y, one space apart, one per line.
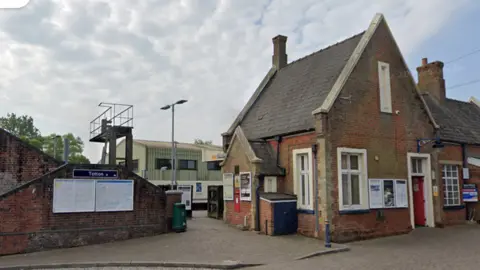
245 186
228 186
114 195
73 195
388 193
401 193
376 196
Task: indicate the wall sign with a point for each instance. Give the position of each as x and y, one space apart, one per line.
245 186
92 195
86 173
470 193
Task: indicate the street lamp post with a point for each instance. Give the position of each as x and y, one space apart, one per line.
174 167
55 141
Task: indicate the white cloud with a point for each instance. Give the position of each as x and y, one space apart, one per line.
60 58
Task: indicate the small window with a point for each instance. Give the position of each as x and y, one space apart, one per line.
163 162
185 164
384 87
213 166
417 166
270 184
451 185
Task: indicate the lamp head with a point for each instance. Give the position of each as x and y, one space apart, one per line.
165 107
181 101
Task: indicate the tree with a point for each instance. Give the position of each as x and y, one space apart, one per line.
199 141
22 127
75 148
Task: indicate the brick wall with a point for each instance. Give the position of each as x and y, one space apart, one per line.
266 217
29 224
20 162
306 221
357 122
238 218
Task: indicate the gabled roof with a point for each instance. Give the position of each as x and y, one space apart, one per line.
285 100
459 121
257 152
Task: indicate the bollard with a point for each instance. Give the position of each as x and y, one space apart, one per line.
327 235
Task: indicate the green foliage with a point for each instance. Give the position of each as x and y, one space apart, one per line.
199 141
53 145
24 128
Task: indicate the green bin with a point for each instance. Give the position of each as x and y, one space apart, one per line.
179 220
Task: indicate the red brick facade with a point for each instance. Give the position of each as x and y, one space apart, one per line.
266 217
20 162
356 121
386 137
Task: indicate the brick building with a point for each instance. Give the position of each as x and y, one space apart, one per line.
28 221
340 130
459 160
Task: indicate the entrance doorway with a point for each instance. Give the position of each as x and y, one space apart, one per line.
419 201
420 190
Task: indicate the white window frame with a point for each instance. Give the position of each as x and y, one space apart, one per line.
363 178
296 178
270 184
385 87
445 185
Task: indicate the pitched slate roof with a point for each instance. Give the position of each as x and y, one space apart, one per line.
265 152
459 121
287 102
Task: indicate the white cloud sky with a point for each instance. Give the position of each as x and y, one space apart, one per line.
60 58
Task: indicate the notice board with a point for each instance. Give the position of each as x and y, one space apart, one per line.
228 186
73 195
92 195
114 195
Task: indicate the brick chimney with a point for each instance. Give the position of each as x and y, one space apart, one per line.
430 79
279 58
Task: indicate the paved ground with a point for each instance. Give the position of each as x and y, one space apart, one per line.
206 241
428 249
210 241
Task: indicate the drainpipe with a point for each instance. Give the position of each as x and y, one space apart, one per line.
257 214
465 165
279 140
315 184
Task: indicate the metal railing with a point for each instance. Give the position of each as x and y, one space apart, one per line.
119 115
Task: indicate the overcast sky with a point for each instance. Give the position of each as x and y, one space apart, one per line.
60 58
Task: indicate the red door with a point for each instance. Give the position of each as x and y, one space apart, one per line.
418 201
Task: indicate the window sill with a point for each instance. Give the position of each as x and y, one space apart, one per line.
354 211
454 207
305 211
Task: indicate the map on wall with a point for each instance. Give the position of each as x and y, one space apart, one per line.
73 195
114 195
